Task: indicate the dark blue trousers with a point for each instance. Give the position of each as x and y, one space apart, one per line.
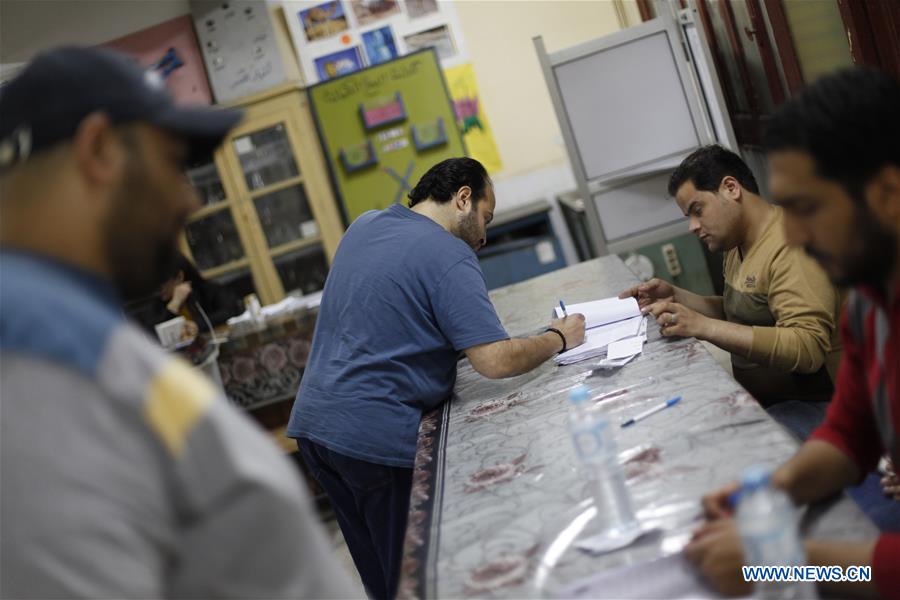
371 502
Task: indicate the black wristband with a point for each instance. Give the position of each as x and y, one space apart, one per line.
561 336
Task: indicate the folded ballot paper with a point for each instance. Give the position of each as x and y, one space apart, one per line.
607 320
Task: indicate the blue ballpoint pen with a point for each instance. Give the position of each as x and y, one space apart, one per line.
651 411
562 305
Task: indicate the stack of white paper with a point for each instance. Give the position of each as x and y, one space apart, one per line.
602 312
625 348
605 321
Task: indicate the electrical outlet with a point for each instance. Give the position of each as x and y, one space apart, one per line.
673 265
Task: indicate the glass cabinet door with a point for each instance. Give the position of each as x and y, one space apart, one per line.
206 181
303 270
285 216
278 199
213 237
269 223
213 240
266 157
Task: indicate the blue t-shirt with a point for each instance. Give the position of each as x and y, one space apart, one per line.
402 299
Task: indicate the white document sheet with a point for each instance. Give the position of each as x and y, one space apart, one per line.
625 347
598 338
602 312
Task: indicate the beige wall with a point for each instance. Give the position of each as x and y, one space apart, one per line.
516 101
498 34
28 26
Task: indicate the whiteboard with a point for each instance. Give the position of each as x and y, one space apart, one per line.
626 106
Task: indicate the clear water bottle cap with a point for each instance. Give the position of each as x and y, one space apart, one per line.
755 477
579 394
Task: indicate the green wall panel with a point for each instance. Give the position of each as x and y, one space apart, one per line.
380 164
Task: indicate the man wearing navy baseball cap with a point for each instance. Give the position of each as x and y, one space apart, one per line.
88 122
124 472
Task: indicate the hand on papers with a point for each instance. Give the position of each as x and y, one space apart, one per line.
605 320
572 327
649 292
677 319
718 554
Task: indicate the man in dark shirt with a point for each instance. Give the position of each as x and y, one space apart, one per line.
405 295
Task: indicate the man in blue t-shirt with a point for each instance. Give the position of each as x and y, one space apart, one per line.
405 295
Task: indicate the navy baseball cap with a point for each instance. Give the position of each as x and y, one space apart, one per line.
44 104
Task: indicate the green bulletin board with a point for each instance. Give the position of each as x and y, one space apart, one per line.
383 127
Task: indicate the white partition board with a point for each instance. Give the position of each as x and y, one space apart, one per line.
636 206
626 106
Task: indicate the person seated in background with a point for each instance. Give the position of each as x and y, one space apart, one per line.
777 316
125 473
834 159
185 293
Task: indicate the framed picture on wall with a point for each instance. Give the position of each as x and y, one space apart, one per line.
420 8
429 135
368 11
324 20
380 46
439 38
382 111
338 63
383 30
357 157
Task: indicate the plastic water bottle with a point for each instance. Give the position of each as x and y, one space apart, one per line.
595 443
768 525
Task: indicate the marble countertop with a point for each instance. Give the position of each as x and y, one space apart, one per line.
498 496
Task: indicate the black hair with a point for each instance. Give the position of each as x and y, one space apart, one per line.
705 167
445 178
847 121
182 264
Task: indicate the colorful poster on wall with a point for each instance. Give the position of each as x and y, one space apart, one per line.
171 49
438 38
324 20
380 46
420 8
338 63
470 117
382 29
367 11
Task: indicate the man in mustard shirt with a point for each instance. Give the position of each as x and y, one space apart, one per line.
778 314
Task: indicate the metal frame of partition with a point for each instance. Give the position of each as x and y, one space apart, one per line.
704 100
